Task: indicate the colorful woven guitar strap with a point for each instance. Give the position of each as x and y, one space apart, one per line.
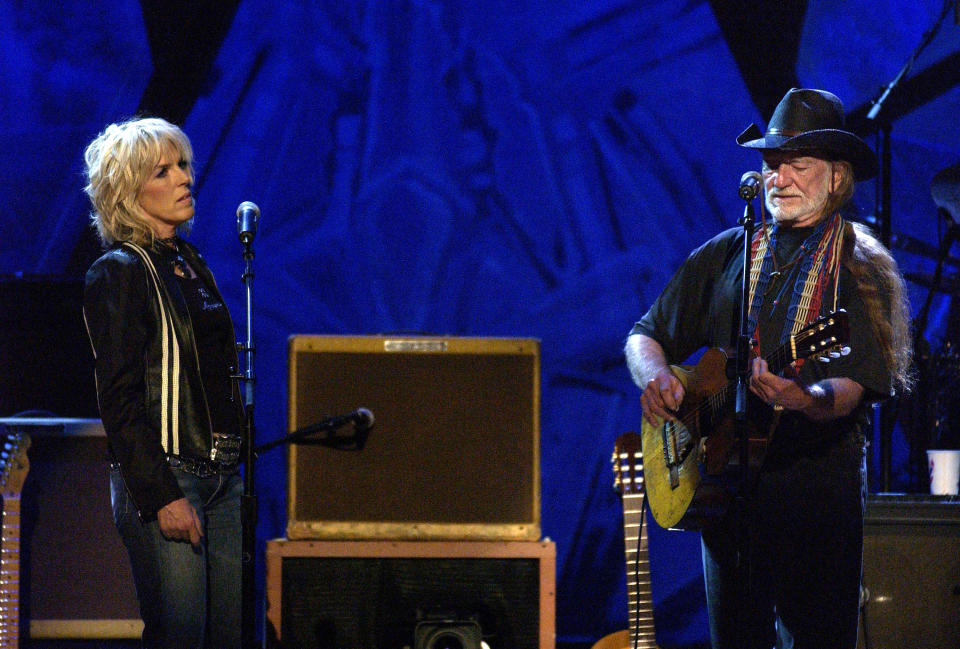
818 270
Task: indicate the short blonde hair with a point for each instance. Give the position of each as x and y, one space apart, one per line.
119 161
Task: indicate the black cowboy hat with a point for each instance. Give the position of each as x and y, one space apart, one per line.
806 120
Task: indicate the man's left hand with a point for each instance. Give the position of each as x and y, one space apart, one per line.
821 401
777 391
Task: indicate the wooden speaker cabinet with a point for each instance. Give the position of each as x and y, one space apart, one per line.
454 452
911 572
368 594
75 580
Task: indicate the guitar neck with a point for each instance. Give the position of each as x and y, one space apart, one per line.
781 357
639 595
778 361
10 574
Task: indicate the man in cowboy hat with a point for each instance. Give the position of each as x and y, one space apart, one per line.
803 512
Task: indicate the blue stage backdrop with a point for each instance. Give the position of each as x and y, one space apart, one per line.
481 168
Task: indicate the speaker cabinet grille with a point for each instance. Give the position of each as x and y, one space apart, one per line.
454 451
911 572
368 595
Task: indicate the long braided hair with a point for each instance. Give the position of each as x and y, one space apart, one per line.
879 284
881 288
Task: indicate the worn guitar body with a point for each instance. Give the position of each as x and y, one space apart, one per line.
680 490
691 464
617 640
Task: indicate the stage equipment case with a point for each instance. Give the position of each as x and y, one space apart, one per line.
453 454
911 572
368 594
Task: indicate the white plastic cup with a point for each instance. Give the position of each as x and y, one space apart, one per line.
944 472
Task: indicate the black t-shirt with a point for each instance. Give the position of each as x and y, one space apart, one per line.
213 333
700 307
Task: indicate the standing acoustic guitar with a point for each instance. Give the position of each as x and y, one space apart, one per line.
628 479
689 461
13 471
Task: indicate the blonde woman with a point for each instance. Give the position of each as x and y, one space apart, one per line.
165 359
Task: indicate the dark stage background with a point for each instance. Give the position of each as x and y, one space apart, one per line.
527 168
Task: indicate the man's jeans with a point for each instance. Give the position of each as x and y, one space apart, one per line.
805 525
189 597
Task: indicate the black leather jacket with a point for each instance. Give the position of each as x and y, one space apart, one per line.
149 388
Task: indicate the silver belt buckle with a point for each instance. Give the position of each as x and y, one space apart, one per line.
226 449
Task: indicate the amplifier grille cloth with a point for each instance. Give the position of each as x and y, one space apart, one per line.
372 603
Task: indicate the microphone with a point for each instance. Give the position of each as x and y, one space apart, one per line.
750 184
247 216
361 418
362 423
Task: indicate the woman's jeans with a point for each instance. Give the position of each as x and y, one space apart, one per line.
189 597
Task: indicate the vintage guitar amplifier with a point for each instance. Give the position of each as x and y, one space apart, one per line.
453 454
911 572
372 594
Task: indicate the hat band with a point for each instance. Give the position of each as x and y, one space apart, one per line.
777 131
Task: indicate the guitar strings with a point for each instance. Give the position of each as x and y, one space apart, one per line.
636 573
714 401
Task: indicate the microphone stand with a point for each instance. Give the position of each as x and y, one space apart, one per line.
248 500
322 434
741 417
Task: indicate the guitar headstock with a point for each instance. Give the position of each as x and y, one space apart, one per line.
824 339
14 463
628 464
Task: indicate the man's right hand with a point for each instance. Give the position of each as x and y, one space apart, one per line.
661 396
179 522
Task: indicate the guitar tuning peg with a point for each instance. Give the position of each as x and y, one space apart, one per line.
823 359
844 350
834 354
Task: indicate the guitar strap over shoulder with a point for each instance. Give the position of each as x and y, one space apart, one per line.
820 268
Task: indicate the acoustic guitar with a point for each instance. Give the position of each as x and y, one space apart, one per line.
691 468
628 480
13 471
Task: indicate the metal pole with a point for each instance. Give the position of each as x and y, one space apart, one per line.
249 499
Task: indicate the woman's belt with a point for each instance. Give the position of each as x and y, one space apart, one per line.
200 467
224 458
